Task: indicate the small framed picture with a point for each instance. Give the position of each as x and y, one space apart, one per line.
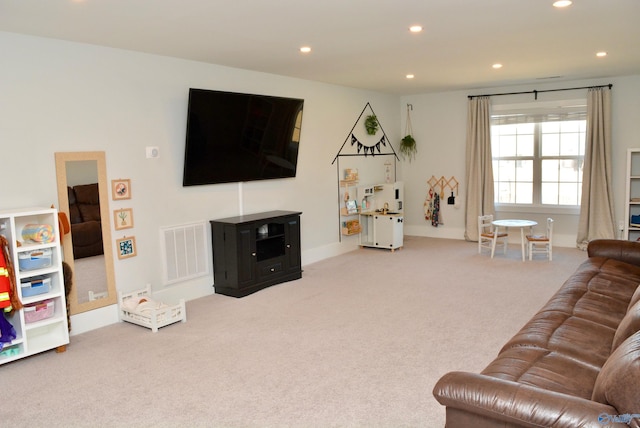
121 189
123 219
126 247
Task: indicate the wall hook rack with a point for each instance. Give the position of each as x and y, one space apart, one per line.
442 183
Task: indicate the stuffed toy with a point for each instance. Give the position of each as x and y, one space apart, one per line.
9 300
67 273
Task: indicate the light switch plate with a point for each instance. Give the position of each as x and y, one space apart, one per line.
153 152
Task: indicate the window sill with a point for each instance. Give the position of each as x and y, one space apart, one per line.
537 209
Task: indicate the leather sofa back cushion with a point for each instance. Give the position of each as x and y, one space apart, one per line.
618 380
74 212
628 326
88 200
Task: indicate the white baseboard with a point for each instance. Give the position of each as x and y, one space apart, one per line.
91 320
331 250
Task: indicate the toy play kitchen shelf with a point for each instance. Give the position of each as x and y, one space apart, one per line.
382 226
382 230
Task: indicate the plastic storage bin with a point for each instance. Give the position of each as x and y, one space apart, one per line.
39 311
37 259
37 285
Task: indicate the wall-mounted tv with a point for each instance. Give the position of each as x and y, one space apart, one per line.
236 137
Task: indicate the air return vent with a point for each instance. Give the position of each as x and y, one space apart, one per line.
185 252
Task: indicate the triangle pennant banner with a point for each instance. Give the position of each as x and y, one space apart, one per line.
369 149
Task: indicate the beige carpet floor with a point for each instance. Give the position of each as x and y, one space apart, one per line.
359 341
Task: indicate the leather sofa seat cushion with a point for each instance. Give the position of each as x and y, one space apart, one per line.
629 325
617 383
616 279
582 340
594 292
545 369
620 269
87 239
87 233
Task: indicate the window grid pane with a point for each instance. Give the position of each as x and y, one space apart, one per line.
538 161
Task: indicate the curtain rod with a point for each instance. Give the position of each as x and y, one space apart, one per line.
535 92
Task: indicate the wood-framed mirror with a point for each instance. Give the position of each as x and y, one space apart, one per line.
83 196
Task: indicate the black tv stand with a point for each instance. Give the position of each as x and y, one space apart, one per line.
255 251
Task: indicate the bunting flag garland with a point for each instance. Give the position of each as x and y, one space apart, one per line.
369 149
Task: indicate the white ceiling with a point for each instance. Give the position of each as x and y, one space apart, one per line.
359 43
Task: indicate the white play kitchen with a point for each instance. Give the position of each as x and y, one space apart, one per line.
381 215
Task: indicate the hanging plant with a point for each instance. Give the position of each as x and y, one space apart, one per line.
371 124
408 148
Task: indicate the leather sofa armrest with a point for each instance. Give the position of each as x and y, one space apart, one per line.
518 404
625 251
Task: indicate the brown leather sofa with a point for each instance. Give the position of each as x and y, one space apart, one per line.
84 216
576 363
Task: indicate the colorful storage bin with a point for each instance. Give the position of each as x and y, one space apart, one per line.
35 286
36 259
39 311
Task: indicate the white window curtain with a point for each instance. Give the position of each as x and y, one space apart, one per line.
596 211
479 165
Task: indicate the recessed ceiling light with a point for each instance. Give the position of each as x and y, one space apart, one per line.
601 54
562 3
415 28
497 66
305 49
410 76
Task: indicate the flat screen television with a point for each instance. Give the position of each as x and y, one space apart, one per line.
236 137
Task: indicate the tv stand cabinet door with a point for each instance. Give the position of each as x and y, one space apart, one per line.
234 261
246 252
292 251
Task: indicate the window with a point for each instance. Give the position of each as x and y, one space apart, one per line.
538 157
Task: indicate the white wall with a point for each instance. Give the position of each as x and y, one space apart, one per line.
61 96
439 125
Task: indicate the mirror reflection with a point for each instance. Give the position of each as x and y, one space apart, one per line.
86 231
82 195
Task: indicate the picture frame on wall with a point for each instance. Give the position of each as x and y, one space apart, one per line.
126 247
121 189
123 218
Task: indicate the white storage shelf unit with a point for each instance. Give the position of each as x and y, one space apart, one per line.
50 332
632 206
